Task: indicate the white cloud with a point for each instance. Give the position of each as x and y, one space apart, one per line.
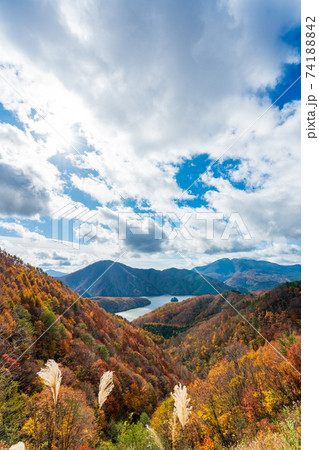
270 206
131 89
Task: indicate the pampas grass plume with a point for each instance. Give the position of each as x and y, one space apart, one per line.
181 408
18 446
51 375
106 386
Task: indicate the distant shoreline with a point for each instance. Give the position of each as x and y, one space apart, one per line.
120 304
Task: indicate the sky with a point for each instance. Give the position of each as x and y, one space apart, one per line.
157 133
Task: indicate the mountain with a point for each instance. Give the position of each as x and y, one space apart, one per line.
119 280
250 275
201 328
55 273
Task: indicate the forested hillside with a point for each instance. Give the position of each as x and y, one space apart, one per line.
209 324
247 389
85 341
243 392
117 304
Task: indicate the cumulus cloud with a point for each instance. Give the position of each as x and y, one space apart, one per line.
143 242
19 197
28 180
132 90
270 168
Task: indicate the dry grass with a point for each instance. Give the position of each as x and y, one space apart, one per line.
155 437
18 446
181 408
51 376
106 386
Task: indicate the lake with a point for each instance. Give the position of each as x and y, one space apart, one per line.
156 302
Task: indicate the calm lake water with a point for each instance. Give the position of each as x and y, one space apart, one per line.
156 302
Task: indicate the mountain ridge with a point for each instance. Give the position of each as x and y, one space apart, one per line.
121 280
113 279
250 275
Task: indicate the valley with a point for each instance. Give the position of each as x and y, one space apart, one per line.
238 355
155 302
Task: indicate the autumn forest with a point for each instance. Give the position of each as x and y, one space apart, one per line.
210 372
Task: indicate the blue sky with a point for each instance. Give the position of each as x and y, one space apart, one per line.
165 118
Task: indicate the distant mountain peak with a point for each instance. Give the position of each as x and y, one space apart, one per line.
249 274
